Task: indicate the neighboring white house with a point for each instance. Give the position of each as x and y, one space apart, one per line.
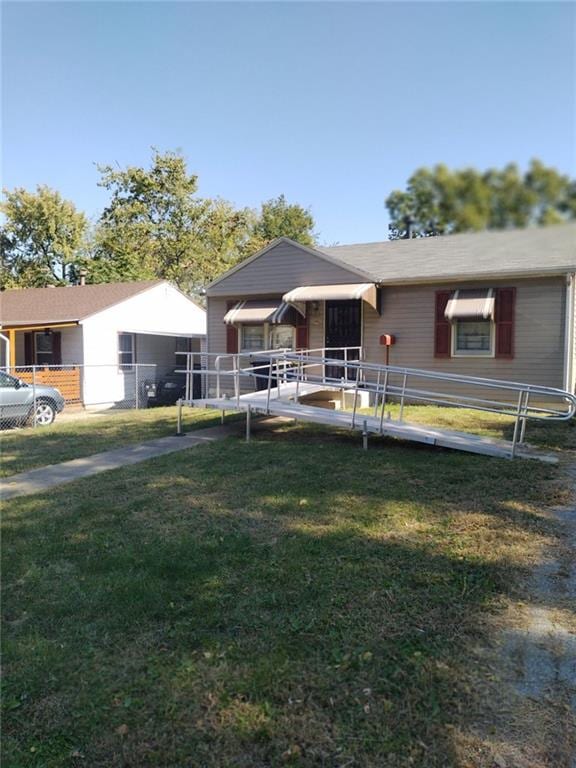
99 333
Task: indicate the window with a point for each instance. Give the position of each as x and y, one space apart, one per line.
256 338
44 348
126 356
472 337
253 338
281 337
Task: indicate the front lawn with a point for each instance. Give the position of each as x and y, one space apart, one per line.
292 601
23 449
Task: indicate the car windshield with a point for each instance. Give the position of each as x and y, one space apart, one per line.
7 381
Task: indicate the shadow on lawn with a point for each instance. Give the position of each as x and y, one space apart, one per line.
255 605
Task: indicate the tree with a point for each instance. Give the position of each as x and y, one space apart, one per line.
147 229
155 226
41 240
278 218
439 201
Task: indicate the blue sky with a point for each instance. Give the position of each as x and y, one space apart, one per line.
332 104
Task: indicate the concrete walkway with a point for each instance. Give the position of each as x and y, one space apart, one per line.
43 478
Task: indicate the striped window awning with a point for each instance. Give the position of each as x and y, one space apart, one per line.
365 291
258 311
472 304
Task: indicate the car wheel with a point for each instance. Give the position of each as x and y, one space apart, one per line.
44 414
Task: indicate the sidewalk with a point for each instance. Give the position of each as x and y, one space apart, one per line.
43 478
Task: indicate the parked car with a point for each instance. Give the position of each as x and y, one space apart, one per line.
18 406
167 390
170 388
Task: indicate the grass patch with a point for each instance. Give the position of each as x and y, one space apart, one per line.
293 601
24 449
559 435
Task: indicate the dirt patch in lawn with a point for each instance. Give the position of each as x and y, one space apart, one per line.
524 714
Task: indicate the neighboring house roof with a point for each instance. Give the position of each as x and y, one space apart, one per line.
521 252
39 306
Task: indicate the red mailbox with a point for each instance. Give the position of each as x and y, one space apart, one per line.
387 340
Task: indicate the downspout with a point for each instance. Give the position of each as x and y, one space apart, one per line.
6 341
569 350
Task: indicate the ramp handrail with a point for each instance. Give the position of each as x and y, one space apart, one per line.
385 382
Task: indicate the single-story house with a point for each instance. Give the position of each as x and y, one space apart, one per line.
94 342
496 304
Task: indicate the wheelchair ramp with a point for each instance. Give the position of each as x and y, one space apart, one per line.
418 433
294 385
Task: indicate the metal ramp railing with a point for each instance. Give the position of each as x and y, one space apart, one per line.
264 380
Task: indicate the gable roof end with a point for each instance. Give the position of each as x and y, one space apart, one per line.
305 248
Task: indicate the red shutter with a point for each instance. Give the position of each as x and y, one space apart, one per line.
442 330
302 333
28 349
505 301
231 333
56 348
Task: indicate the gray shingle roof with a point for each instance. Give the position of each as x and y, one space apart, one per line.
36 306
537 250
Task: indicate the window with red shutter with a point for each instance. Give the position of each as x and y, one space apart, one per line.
302 333
505 311
442 328
231 334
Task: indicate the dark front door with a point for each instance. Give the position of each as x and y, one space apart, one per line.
343 328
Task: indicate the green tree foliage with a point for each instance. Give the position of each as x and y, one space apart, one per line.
41 240
278 218
154 226
439 201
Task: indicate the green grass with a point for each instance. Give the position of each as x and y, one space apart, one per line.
28 448
23 449
551 435
292 601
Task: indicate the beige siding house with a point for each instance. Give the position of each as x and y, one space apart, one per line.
496 304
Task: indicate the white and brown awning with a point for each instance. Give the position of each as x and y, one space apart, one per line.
258 311
364 291
472 304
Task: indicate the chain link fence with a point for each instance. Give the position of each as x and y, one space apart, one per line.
37 395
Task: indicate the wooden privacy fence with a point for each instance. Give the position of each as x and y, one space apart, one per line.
67 380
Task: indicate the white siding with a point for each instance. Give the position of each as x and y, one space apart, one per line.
72 348
159 310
